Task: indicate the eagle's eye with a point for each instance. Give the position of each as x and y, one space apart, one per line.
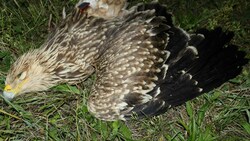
22 75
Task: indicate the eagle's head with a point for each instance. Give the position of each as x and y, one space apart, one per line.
67 56
28 74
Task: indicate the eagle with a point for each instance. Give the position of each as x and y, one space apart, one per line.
144 64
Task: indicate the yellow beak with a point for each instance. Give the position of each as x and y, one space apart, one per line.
7 88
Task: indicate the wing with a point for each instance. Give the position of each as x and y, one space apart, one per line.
131 66
150 65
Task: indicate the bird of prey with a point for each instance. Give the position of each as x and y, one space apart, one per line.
144 64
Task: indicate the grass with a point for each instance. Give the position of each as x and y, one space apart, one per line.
61 113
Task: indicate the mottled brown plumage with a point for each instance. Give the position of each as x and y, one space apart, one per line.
143 63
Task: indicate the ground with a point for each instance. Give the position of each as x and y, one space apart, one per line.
61 113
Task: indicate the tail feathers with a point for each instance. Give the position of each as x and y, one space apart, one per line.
190 75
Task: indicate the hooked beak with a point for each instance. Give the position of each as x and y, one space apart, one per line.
8 93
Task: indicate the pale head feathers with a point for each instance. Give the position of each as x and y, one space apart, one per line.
29 68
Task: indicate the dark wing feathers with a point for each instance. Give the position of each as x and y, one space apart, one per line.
216 63
160 11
